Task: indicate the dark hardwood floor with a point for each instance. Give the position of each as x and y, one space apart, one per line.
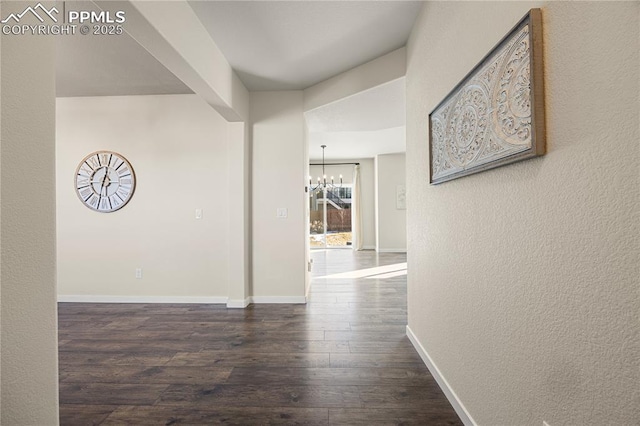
342 359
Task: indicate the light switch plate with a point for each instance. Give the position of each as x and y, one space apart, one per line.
198 213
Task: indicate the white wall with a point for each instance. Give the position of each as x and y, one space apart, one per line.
177 145
523 282
239 193
279 175
28 343
367 176
390 221
367 173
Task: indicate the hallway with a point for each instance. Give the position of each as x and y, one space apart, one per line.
343 359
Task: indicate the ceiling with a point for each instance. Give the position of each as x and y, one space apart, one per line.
272 45
379 108
291 45
358 145
360 126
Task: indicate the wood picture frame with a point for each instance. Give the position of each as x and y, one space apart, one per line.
495 115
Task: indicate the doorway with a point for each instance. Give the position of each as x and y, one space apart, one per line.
330 218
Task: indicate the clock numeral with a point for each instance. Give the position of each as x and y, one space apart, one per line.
124 171
93 200
93 162
85 170
105 204
123 193
115 201
85 193
105 159
82 182
125 181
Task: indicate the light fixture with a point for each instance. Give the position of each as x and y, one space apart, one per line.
322 183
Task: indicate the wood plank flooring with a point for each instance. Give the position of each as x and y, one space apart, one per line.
342 359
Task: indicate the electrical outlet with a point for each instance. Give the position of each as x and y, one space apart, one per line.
138 273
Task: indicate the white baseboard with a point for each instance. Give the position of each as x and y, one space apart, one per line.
231 303
403 250
442 382
368 247
238 303
80 298
279 299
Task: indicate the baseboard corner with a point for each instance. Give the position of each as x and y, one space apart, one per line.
455 402
238 303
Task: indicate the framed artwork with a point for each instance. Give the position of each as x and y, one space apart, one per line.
495 115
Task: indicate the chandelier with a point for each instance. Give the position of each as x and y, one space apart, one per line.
322 183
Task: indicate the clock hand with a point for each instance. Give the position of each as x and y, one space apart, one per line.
100 197
106 182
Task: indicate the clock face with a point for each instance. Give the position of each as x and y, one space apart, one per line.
105 181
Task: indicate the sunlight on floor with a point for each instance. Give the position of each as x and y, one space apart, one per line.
387 271
389 275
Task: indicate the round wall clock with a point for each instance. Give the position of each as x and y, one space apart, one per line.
105 181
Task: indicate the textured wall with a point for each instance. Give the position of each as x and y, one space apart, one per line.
523 283
177 145
29 345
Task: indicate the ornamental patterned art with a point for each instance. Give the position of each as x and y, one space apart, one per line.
488 119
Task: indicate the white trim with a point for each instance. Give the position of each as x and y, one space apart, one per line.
398 250
81 298
368 247
231 303
442 382
238 303
279 299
